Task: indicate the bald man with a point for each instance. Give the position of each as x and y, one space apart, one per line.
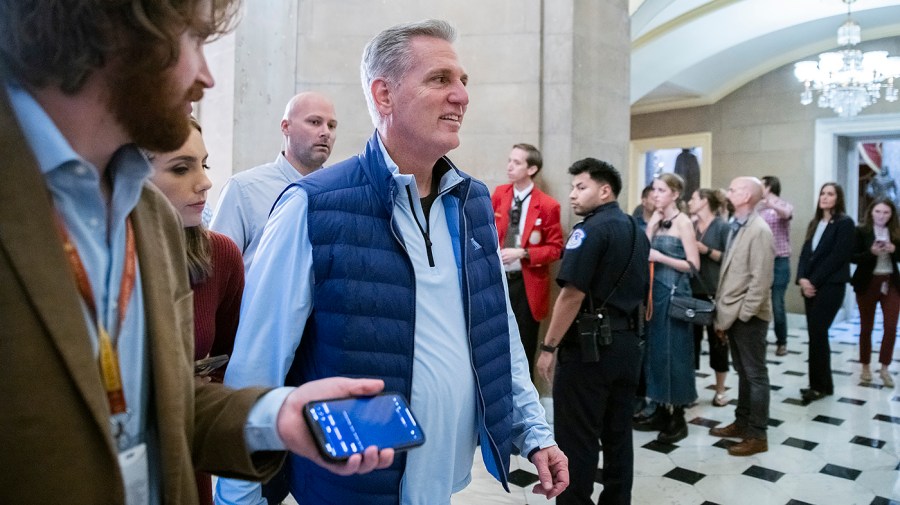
743 312
309 127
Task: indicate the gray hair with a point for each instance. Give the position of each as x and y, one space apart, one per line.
388 54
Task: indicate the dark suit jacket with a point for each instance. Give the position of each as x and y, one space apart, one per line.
541 236
830 262
55 442
866 261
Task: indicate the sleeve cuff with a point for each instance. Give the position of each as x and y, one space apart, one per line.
261 430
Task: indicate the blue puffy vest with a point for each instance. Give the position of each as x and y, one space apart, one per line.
364 310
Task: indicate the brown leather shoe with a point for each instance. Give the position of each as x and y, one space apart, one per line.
749 447
730 431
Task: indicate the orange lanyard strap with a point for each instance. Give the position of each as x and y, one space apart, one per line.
110 370
649 313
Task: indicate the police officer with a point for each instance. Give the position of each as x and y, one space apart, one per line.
598 358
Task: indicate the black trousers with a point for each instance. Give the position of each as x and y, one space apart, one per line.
820 312
595 401
528 326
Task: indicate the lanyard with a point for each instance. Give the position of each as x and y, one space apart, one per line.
110 371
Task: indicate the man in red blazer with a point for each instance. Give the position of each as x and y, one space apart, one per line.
530 240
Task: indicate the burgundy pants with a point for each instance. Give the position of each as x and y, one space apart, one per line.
890 308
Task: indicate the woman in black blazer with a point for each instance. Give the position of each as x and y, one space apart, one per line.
877 280
822 273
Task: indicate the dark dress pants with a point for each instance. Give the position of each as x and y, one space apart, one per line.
820 312
594 401
528 326
748 352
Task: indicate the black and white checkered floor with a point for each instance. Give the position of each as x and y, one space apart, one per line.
842 450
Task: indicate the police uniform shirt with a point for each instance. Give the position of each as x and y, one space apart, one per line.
596 254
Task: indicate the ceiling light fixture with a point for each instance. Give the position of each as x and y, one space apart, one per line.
848 80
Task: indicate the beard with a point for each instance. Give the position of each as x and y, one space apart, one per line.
151 109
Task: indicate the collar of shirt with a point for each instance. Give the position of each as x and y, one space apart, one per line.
287 170
525 192
47 143
601 208
450 179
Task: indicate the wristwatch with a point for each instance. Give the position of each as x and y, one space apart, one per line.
548 348
526 256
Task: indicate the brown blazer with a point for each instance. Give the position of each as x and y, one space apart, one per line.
745 279
55 442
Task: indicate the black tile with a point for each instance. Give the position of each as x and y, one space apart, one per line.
763 473
794 401
701 375
712 387
707 502
522 478
847 343
775 422
837 352
806 445
852 360
706 423
897 467
660 447
842 372
773 387
795 374
840 471
598 477
852 401
888 419
868 442
794 352
880 500
689 477
870 385
773 362
895 399
724 443
798 502
828 420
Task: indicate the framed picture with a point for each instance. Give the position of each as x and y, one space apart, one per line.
686 155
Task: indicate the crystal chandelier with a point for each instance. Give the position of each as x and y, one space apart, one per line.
848 80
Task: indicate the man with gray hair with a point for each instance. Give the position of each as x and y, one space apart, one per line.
743 312
396 250
309 127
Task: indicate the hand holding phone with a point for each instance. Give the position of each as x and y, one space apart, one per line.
344 427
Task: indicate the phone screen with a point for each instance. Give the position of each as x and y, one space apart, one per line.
347 426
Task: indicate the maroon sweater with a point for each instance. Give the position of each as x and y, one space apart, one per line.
217 307
217 300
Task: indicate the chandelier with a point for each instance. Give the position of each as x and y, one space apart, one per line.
848 80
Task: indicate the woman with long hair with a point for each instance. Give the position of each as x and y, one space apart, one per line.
670 347
822 273
877 280
712 236
215 266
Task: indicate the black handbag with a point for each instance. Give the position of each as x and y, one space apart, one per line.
690 309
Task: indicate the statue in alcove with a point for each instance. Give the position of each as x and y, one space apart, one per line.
882 185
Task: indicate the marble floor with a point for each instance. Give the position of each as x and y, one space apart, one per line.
842 450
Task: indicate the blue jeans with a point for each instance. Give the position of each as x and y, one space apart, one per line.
782 276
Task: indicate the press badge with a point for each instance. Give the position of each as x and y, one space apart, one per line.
135 475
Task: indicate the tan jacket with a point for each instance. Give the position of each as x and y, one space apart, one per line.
55 442
745 279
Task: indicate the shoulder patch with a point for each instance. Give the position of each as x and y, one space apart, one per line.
576 239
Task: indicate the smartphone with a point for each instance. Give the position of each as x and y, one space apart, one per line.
344 427
205 366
